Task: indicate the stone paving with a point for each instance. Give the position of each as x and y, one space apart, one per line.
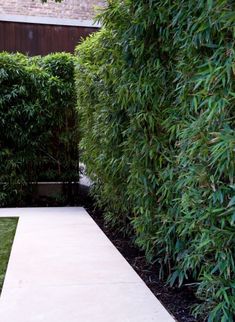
63 268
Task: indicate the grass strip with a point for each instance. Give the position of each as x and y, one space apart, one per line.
7 233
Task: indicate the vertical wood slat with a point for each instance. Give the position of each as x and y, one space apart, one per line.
36 39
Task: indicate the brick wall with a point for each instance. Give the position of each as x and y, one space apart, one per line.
68 9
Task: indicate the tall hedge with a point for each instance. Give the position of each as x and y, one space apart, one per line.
38 135
156 99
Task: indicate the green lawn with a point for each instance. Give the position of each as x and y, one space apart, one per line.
7 233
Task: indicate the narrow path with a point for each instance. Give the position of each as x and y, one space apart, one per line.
64 269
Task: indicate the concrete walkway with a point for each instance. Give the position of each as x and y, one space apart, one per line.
64 269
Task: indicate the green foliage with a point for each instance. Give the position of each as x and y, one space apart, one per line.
37 122
156 97
64 146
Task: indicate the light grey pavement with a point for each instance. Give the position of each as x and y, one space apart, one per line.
63 268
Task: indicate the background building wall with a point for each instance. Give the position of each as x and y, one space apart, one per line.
67 9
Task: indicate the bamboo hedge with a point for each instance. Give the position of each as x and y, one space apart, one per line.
156 101
38 130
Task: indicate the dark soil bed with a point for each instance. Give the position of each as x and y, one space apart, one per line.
178 301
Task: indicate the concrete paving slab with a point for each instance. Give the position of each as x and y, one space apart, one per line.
63 268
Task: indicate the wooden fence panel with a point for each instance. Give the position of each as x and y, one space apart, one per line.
39 39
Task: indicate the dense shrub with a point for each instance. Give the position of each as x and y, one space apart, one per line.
64 145
156 103
37 136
